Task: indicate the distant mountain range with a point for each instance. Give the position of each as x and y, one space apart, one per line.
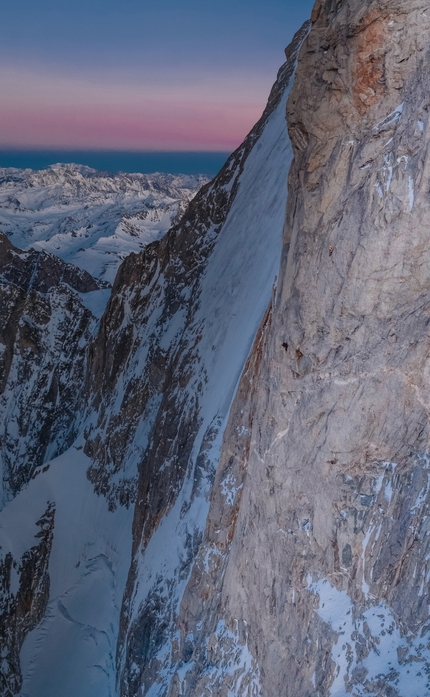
90 218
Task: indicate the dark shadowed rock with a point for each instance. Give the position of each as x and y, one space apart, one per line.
44 333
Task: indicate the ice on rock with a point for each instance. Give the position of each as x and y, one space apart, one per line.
391 656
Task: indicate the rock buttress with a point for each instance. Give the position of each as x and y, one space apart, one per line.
322 588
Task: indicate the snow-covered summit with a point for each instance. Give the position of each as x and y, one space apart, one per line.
89 218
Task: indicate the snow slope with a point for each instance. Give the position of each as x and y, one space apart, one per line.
235 291
72 651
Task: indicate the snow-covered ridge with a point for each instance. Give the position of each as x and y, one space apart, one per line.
89 218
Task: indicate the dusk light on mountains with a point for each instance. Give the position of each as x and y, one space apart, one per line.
215 348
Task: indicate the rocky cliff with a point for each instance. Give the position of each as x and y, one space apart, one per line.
244 507
172 345
45 328
312 578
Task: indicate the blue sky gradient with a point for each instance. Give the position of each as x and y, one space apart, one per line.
64 62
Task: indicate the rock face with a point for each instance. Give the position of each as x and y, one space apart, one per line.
44 332
312 578
272 444
171 347
24 595
41 271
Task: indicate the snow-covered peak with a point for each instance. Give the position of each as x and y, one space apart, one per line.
89 218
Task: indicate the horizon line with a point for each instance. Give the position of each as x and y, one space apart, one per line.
108 150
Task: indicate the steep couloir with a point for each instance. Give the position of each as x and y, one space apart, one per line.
172 345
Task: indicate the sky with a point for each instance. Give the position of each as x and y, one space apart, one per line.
139 74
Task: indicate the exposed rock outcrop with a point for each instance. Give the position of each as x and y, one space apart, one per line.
159 382
44 333
24 595
171 347
280 534
320 586
41 271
